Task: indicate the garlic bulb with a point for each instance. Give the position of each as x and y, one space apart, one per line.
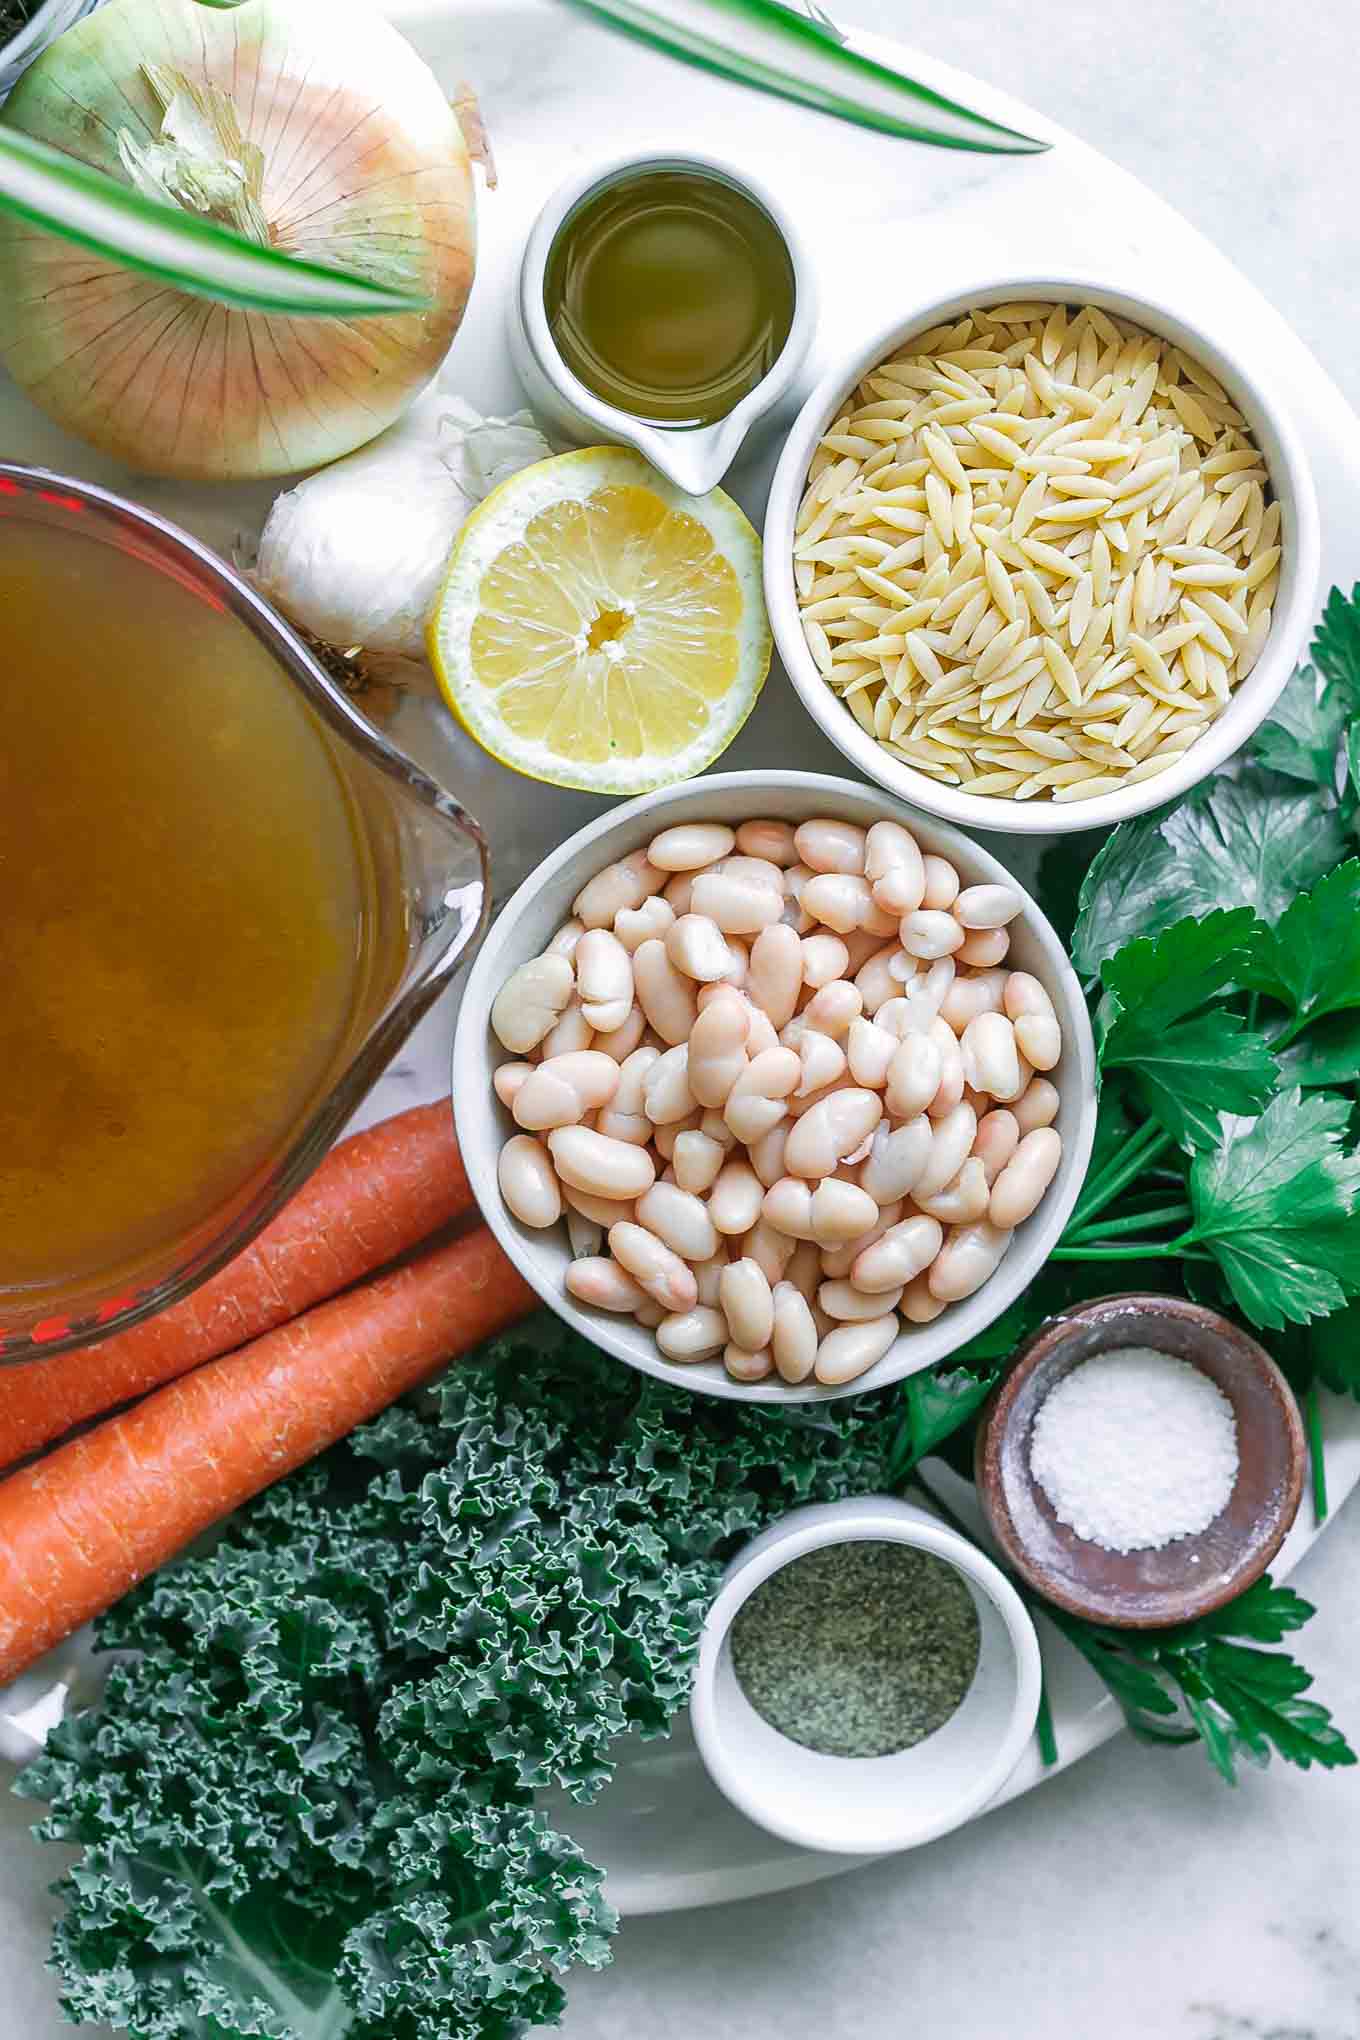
310 126
356 553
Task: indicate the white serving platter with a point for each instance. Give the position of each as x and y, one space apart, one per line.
881 216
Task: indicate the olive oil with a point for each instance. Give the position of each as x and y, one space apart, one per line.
670 295
187 920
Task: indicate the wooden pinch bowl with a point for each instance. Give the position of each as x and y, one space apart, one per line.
1191 1576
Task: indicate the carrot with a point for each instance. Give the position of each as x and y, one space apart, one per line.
81 1526
375 1196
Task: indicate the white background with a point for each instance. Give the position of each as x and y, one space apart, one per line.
1134 1898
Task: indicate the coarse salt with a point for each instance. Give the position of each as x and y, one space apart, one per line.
1135 1448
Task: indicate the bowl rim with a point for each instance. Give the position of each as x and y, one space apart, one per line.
878 1519
1039 1349
1249 379
474 1102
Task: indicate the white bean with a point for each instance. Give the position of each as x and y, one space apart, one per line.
894 868
965 1262
604 979
963 1199
984 948
804 1269
951 1070
904 1251
990 1059
647 923
560 1091
508 1078
715 1128
1036 1022
840 1212
692 1334
822 1062
896 1159
696 1160
874 980
830 1130
913 1076
832 1009
942 884
690 845
844 904
774 841
717 1050
776 973
747 1304
708 1275
966 998
666 1093
653 1266
572 1034
755 1103
852 1350
758 870
665 995
604 1285
793 1337
930 935
601 1211
529 1003
787 1206
584 1236
528 1182
1037 1105
695 946
996 1140
681 1220
565 940
838 1261
826 845
734 1201
986 906
679 889
825 958
917 1305
952 1141
665 1136
1026 1176
740 906
621 1041
851 1306
770 1250
744 1366
767 1154
739 970
601 1167
618 887
869 1051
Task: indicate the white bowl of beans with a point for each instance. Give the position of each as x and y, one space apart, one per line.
1043 553
791 1113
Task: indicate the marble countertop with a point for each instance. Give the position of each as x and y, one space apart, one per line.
1136 1895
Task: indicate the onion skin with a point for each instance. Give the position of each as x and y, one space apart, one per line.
366 170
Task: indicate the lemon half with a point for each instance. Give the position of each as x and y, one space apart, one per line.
599 628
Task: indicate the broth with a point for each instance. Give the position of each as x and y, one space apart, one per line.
187 910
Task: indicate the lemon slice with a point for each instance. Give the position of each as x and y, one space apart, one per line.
599 628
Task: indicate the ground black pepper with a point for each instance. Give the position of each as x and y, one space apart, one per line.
858 1649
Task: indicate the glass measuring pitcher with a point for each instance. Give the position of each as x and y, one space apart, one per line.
400 921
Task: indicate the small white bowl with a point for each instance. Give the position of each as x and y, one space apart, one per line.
527 923
867 1806
1246 373
694 458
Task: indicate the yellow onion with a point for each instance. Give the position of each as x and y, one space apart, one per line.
310 126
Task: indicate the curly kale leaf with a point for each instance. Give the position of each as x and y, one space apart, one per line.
305 1806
